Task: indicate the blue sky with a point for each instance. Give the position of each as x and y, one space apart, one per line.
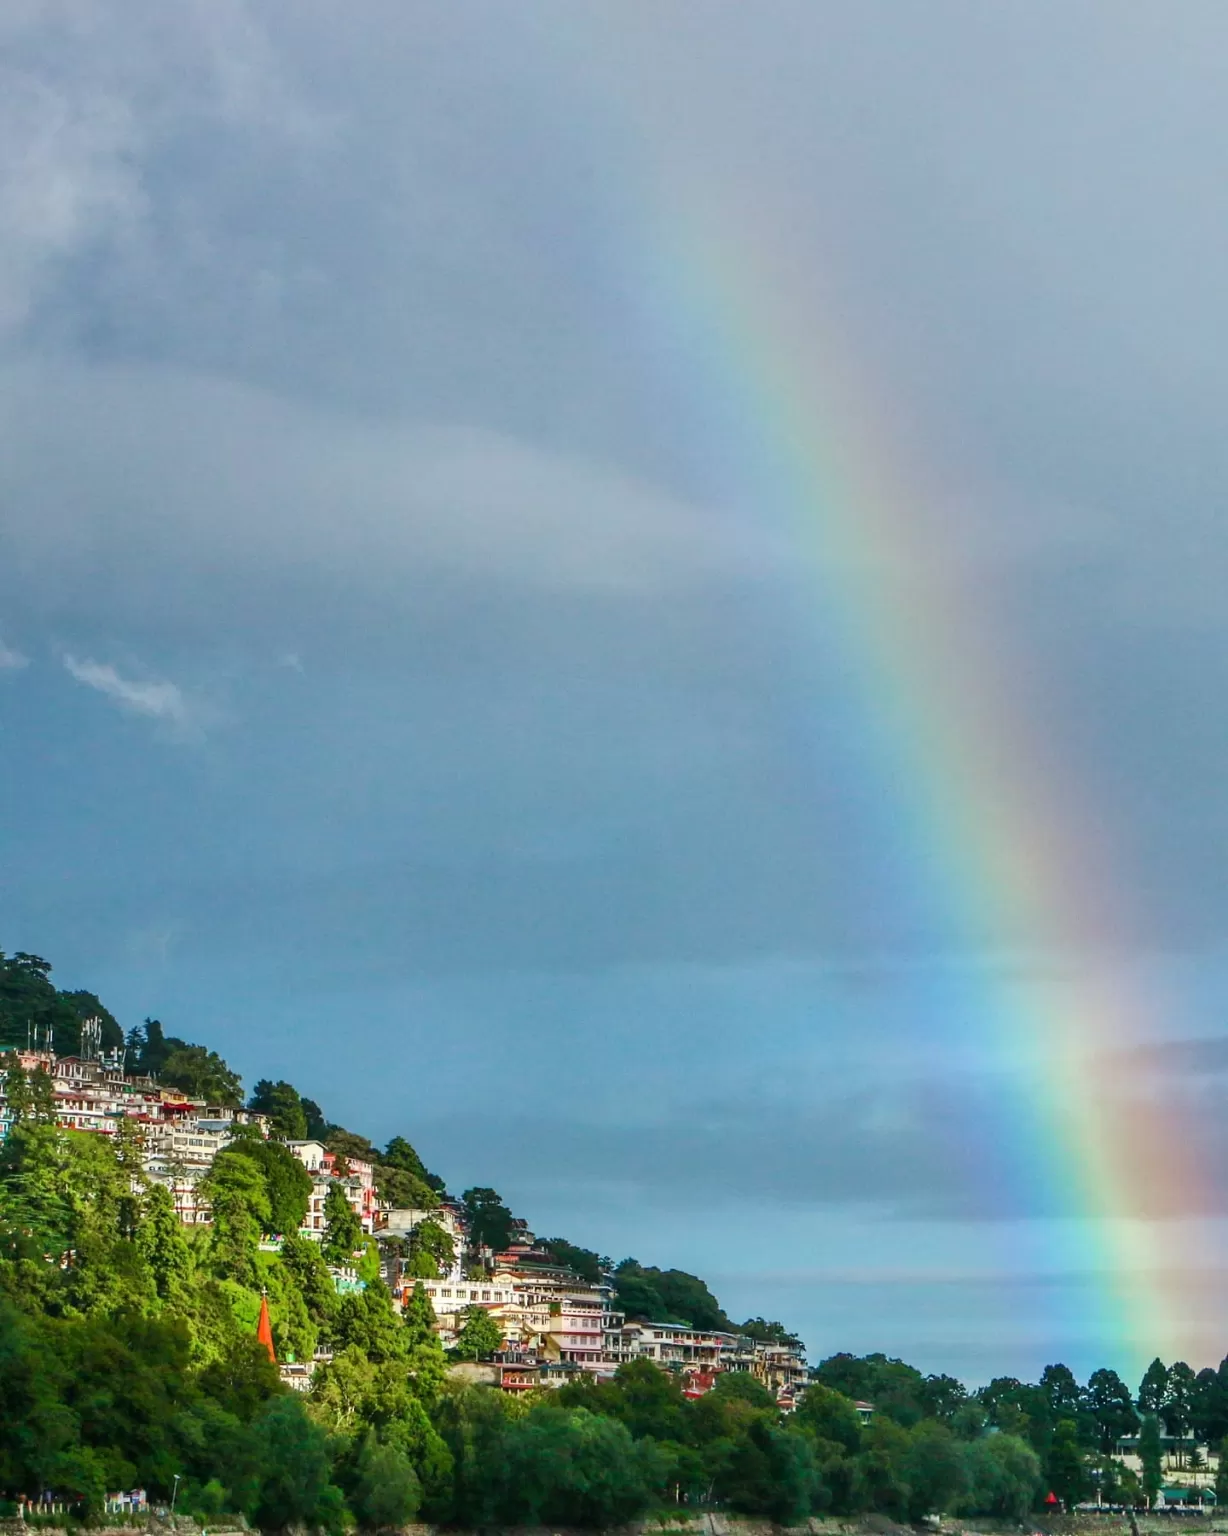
396 694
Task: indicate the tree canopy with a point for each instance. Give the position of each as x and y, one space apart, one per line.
32 1007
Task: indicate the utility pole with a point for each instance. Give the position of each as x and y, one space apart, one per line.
174 1493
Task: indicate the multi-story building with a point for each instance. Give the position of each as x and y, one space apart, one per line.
179 1153
675 1347
357 1180
780 1367
451 1297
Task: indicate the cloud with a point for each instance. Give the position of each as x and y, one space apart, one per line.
156 700
77 140
232 485
65 180
11 660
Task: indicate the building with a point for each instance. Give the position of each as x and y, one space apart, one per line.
356 1177
1176 1454
676 1347
179 1152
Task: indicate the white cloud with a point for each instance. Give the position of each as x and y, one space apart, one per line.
10 660
77 138
66 178
158 700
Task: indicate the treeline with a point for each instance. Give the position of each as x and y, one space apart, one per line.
31 1005
1072 1429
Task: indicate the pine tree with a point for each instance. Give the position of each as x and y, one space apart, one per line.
1153 1388
342 1228
16 1088
42 1096
161 1241
428 1364
1151 1456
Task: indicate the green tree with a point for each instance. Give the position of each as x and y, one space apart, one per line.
399 1154
1065 1397
39 1211
479 1336
568 1466
280 1101
745 1388
769 1333
403 1191
349 1144
16 1086
1153 1388
294 1486
386 1492
238 1196
1067 1470
769 1472
943 1397
1150 1453
1018 1408
424 1352
365 1321
342 1228
1221 1475
203 1074
1002 1477
648 1401
933 1469
1209 1409
580 1261
31 1004
431 1251
307 1270
287 1182
42 1096
317 1125
1112 1408
490 1221
667 1295
831 1416
161 1240
1179 1396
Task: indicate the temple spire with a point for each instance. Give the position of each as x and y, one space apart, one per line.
264 1328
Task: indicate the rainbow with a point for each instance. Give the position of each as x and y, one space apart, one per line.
985 824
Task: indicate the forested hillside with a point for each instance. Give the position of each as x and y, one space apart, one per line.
128 1357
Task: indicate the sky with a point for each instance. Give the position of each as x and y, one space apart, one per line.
425 673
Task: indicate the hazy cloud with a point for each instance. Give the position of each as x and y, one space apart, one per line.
157 700
11 660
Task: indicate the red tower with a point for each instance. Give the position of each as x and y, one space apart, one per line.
264 1329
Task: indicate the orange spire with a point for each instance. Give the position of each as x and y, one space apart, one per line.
264 1329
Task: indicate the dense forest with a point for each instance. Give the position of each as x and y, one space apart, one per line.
128 1358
